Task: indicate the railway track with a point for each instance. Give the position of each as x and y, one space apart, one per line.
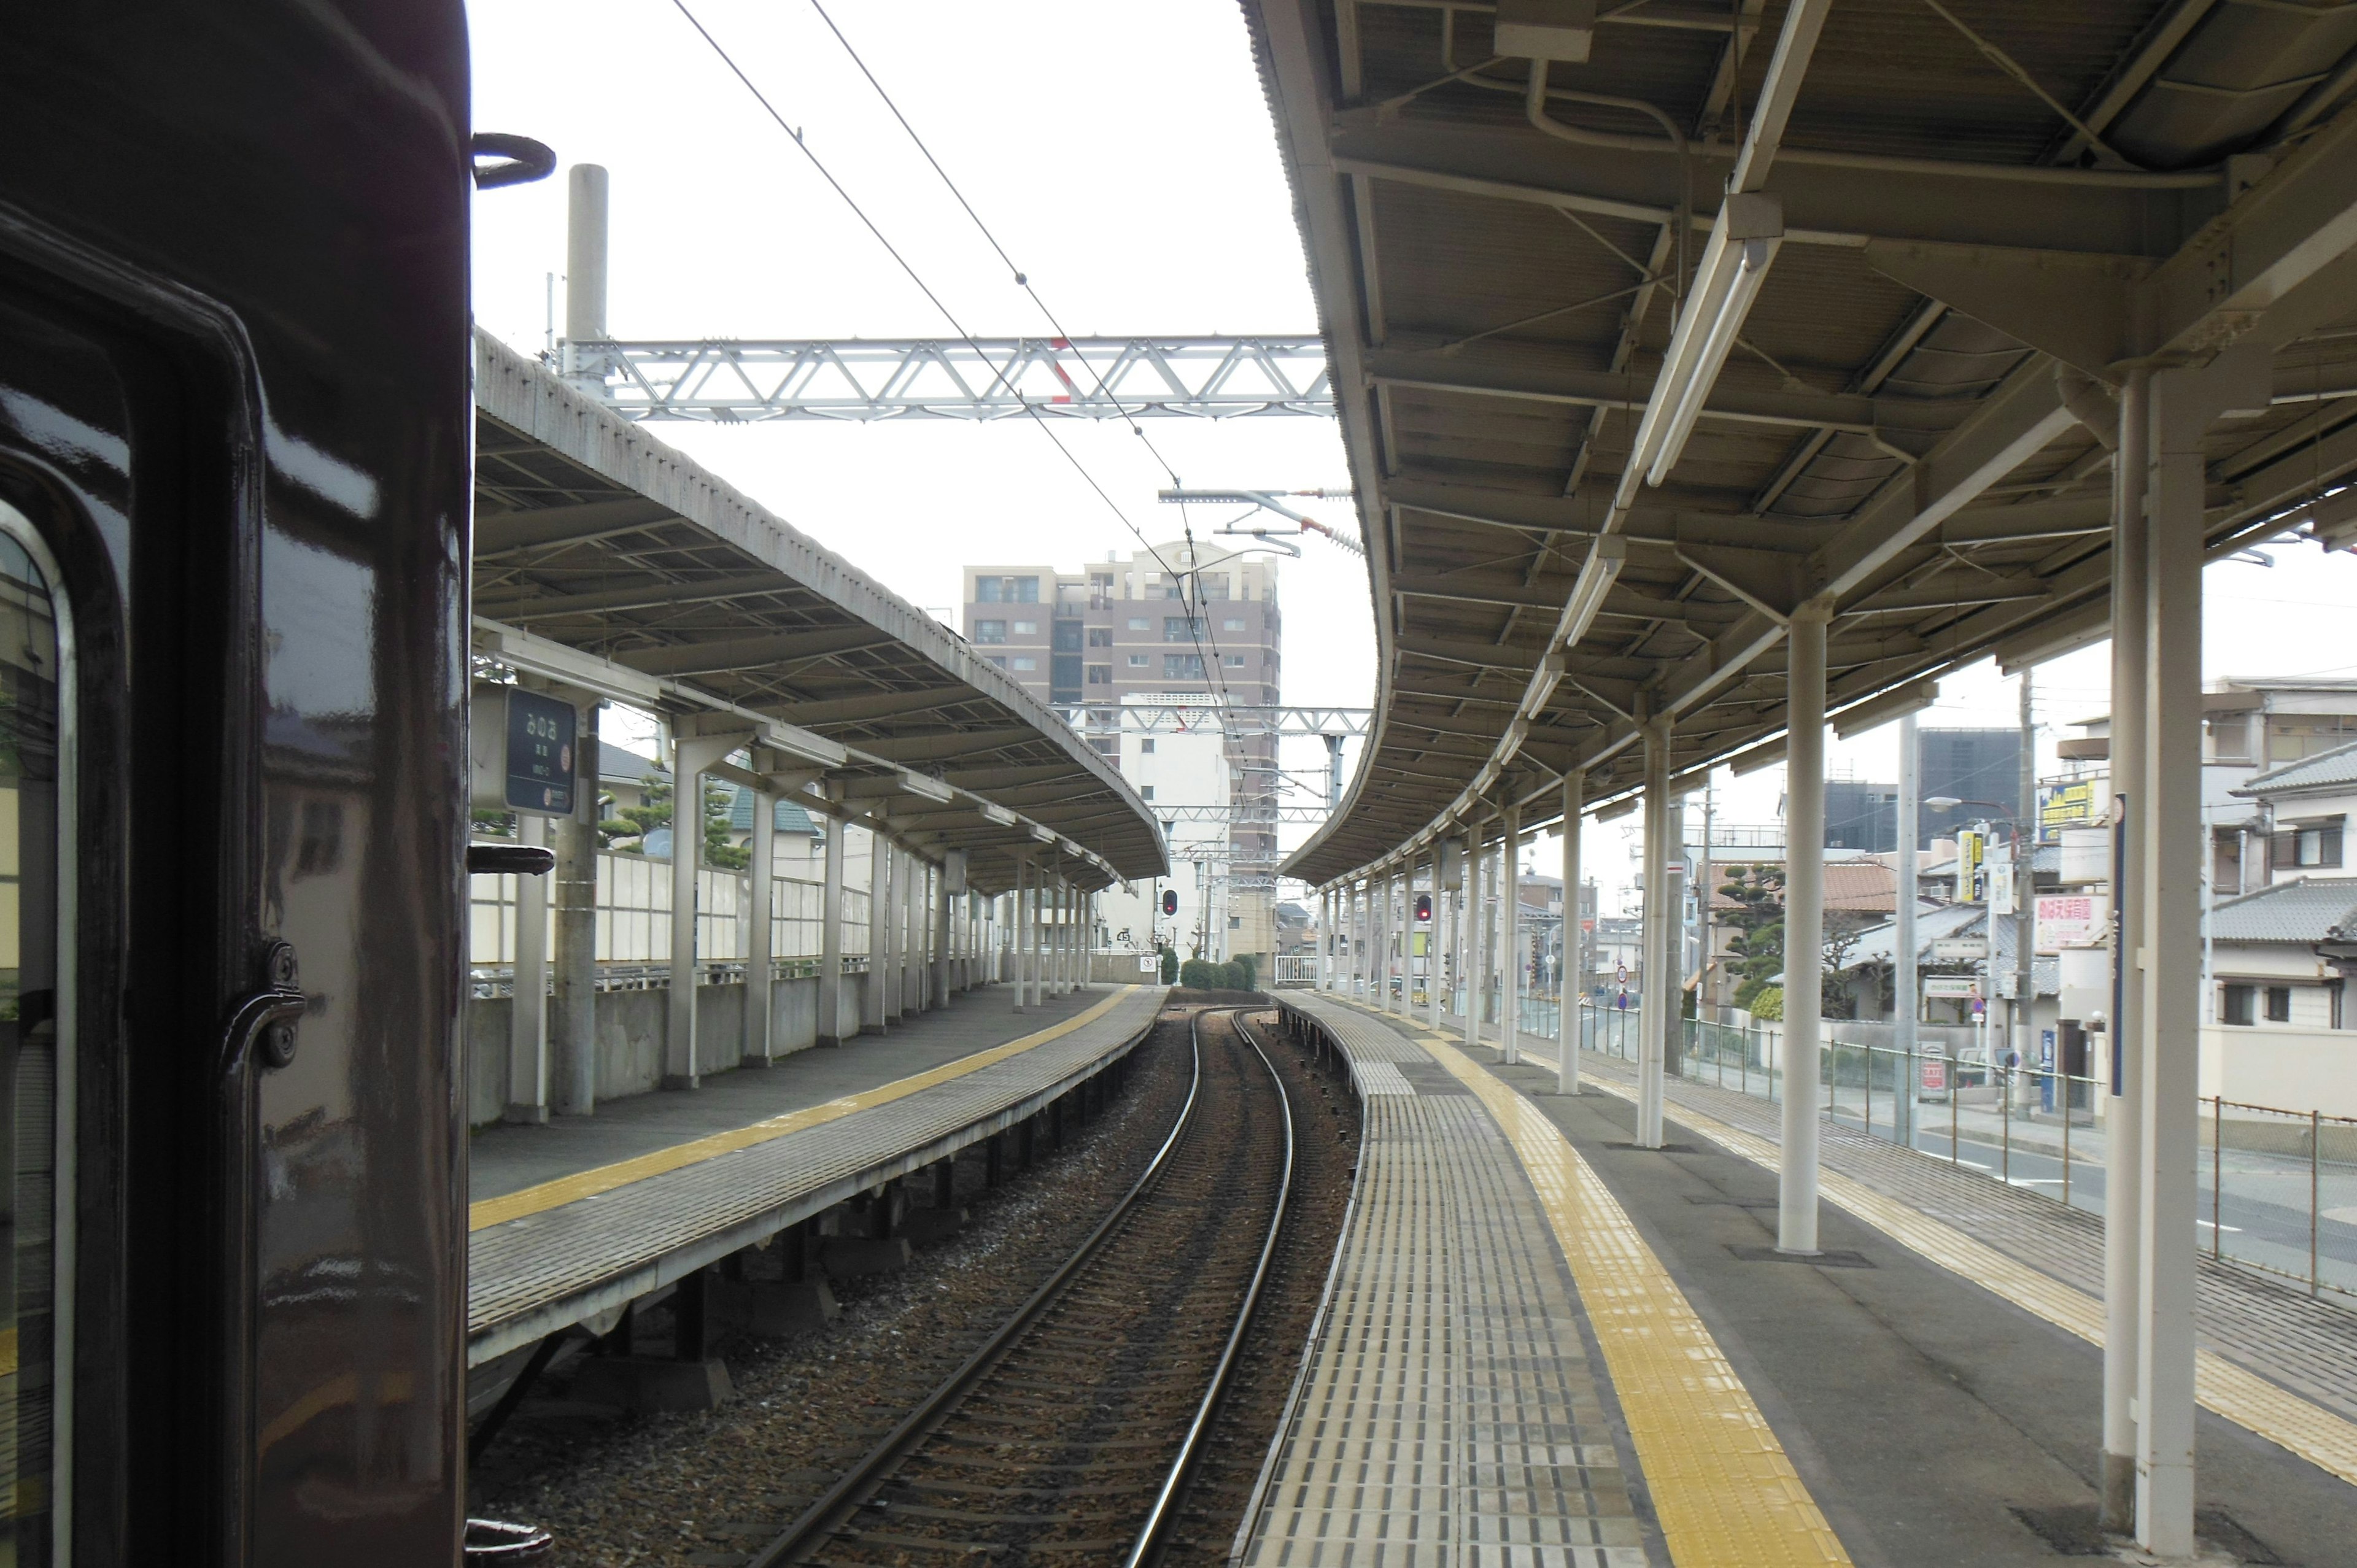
1069 1436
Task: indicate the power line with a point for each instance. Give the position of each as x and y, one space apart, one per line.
1022 280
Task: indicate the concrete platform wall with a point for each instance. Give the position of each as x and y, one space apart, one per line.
633 1027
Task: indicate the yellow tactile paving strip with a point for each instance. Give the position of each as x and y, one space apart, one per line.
2242 1396
1724 1491
607 1178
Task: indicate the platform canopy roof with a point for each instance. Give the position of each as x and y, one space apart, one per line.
607 560
1957 225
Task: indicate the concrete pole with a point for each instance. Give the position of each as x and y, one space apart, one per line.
760 970
1566 1027
528 1010
584 267
1804 925
1653 961
2124 1193
1907 1006
872 1012
691 754
1510 931
830 940
572 1005
2184 403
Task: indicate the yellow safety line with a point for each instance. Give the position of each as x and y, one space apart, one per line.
1723 1490
605 1178
2242 1396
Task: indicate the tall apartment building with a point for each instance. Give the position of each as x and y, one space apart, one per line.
1197 625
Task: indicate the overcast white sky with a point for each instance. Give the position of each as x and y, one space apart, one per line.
1123 157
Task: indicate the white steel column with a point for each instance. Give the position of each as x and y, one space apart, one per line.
573 961
1387 942
1325 932
2184 402
691 754
1568 986
830 939
1468 946
1034 973
2124 1115
1804 924
1432 929
1907 1004
1015 931
942 929
879 916
1510 931
528 1015
1653 961
760 970
896 930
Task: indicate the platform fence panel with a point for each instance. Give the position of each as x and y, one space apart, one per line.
2277 1185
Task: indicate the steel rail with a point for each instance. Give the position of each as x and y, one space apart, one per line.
1257 1503
1148 1546
842 1500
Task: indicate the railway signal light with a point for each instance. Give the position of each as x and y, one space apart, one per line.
1170 900
1423 906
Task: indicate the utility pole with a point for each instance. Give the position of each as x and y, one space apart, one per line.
2025 887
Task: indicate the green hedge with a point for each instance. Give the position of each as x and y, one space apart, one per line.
1236 975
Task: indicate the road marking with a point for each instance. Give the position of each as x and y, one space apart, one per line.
605 1178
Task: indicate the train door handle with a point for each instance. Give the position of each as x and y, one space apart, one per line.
262 1022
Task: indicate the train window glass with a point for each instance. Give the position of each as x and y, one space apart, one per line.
35 1067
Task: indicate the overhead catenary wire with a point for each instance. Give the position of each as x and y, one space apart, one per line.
1195 630
1199 625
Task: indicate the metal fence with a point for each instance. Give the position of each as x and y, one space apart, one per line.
634 917
2278 1187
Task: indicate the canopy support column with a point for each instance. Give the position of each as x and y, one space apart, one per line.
760 970
830 939
528 1015
1655 990
1568 983
1804 925
1510 931
572 1001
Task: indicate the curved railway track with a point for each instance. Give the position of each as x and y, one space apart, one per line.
1070 1434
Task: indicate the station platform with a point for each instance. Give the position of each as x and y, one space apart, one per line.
579 1216
1545 1345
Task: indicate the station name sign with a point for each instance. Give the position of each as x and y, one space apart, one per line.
523 746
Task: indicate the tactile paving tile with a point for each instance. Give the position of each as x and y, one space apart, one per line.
1451 1417
2273 1361
520 1265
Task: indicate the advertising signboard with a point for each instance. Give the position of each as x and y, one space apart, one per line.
2072 803
2072 920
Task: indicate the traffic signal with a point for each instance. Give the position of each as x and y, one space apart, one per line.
1423 906
1170 900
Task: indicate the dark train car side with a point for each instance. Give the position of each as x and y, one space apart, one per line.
234 439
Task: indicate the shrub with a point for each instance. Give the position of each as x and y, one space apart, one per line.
1247 968
1769 1006
1169 965
1199 975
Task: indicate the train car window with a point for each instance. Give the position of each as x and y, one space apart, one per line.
36 1064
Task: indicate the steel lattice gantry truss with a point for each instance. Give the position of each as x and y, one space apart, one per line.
1914 419
594 538
951 378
